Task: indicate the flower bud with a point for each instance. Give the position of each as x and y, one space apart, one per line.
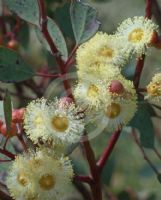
13 44
17 115
65 101
12 132
116 87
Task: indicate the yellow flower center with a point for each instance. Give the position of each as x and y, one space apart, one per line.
154 89
22 179
38 120
60 123
93 91
106 52
47 182
113 110
136 35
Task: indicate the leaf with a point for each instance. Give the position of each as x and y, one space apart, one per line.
57 36
7 105
12 67
124 196
23 35
25 9
84 22
62 17
142 121
1 111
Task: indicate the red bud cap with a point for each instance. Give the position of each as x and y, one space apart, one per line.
13 131
116 87
65 101
17 115
13 44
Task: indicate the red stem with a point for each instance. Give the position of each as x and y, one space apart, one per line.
148 9
48 75
96 186
5 144
140 63
144 154
54 50
7 153
85 179
3 161
107 152
138 71
4 196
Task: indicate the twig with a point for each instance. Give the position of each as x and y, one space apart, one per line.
7 153
54 50
138 71
3 161
5 144
85 179
157 153
107 152
144 154
96 186
48 75
83 190
148 9
140 62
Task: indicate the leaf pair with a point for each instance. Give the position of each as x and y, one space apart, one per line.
84 24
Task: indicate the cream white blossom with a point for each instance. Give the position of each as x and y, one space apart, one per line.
48 121
154 88
102 49
39 176
136 34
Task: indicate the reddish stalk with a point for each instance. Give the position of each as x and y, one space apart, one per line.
144 154
96 186
48 75
5 144
3 195
85 179
7 153
3 161
141 90
140 62
107 152
148 9
138 71
54 50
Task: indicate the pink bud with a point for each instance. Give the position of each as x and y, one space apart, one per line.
116 87
65 101
13 131
17 115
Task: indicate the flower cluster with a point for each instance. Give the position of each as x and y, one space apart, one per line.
101 88
44 173
103 96
40 175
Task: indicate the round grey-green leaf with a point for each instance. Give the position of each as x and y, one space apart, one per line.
13 68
